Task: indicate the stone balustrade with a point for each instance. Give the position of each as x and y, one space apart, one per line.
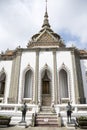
17 107
32 108
14 110
77 108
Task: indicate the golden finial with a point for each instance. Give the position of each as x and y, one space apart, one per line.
46 5
46 21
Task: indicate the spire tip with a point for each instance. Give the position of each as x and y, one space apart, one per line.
46 5
46 21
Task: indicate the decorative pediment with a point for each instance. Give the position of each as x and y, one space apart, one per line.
46 37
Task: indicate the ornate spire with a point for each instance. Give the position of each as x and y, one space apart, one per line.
46 21
46 5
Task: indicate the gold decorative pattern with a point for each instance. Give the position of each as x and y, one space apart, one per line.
45 38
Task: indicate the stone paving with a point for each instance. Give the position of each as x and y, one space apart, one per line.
37 128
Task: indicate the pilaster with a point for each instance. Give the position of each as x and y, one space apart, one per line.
75 77
36 77
78 84
55 78
14 84
79 79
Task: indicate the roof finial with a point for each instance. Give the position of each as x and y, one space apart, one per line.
46 21
46 5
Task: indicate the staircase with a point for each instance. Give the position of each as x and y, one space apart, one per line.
46 118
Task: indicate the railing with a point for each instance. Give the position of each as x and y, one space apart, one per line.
17 107
77 108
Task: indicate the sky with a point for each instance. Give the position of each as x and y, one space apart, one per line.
21 19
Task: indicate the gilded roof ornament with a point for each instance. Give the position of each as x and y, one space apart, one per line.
46 21
46 36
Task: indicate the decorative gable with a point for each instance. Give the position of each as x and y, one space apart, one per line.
45 37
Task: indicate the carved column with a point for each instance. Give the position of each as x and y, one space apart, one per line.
36 77
55 77
81 99
75 77
14 84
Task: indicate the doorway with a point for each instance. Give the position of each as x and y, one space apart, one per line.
46 89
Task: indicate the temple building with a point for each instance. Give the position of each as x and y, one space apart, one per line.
45 72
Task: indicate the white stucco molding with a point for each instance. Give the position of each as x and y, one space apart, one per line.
44 68
28 67
64 67
40 77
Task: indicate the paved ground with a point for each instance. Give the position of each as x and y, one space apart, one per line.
37 128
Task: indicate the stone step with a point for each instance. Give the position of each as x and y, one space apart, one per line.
46 108
71 125
47 125
43 117
45 122
46 119
48 115
49 119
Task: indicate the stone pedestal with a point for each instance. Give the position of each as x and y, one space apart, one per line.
22 124
71 124
59 121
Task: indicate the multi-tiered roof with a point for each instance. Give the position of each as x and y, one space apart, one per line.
46 36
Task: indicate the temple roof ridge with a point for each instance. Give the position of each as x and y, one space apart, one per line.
47 29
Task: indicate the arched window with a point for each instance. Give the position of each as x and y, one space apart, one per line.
63 84
28 84
86 75
2 84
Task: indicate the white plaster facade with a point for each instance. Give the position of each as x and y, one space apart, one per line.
84 75
64 61
45 56
6 66
28 62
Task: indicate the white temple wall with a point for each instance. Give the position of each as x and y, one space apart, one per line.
64 58
27 59
7 65
84 76
45 58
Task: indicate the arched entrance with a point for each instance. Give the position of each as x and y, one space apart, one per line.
46 88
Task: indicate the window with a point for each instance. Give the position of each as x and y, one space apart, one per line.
28 84
86 75
2 84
